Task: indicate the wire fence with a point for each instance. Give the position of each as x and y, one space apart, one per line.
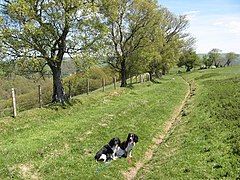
41 95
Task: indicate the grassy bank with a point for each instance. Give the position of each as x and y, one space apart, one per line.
60 143
206 142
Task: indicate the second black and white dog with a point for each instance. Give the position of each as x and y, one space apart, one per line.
108 151
125 148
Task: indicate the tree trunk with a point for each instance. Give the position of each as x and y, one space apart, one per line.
227 63
151 75
58 91
164 69
188 69
123 74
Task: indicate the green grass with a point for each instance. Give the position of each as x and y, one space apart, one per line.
60 143
206 143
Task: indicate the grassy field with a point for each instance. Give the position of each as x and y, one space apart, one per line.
206 142
60 143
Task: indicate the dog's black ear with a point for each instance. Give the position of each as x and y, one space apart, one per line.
111 142
117 141
129 136
135 138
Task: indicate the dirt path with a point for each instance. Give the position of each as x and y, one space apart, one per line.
168 127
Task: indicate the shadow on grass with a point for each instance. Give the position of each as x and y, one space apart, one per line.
156 81
67 103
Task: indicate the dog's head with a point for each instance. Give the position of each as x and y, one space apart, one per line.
114 142
132 138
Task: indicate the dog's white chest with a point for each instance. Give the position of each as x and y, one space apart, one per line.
120 152
129 147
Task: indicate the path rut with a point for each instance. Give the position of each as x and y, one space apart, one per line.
168 127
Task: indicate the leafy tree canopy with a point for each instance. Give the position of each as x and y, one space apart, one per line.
42 32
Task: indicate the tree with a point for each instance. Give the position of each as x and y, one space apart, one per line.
148 59
44 31
214 57
127 22
165 42
153 59
230 57
174 38
144 60
188 59
206 61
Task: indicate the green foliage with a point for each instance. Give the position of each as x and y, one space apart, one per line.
133 36
129 25
173 40
31 67
36 34
26 94
223 59
206 60
95 76
215 57
230 57
6 69
189 59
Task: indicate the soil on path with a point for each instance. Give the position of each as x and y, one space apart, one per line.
168 127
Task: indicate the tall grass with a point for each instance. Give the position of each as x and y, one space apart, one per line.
206 142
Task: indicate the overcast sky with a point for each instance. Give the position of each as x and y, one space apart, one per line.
214 23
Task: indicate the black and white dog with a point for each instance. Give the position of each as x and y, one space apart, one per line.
126 147
108 151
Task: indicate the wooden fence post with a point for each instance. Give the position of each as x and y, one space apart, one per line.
14 103
103 84
115 82
88 86
69 89
40 96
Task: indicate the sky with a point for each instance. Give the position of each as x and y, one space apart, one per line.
214 23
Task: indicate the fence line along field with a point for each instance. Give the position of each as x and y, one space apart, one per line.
39 95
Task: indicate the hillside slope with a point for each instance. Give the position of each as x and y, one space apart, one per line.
205 144
60 143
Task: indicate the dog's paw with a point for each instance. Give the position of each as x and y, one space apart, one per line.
114 158
129 160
